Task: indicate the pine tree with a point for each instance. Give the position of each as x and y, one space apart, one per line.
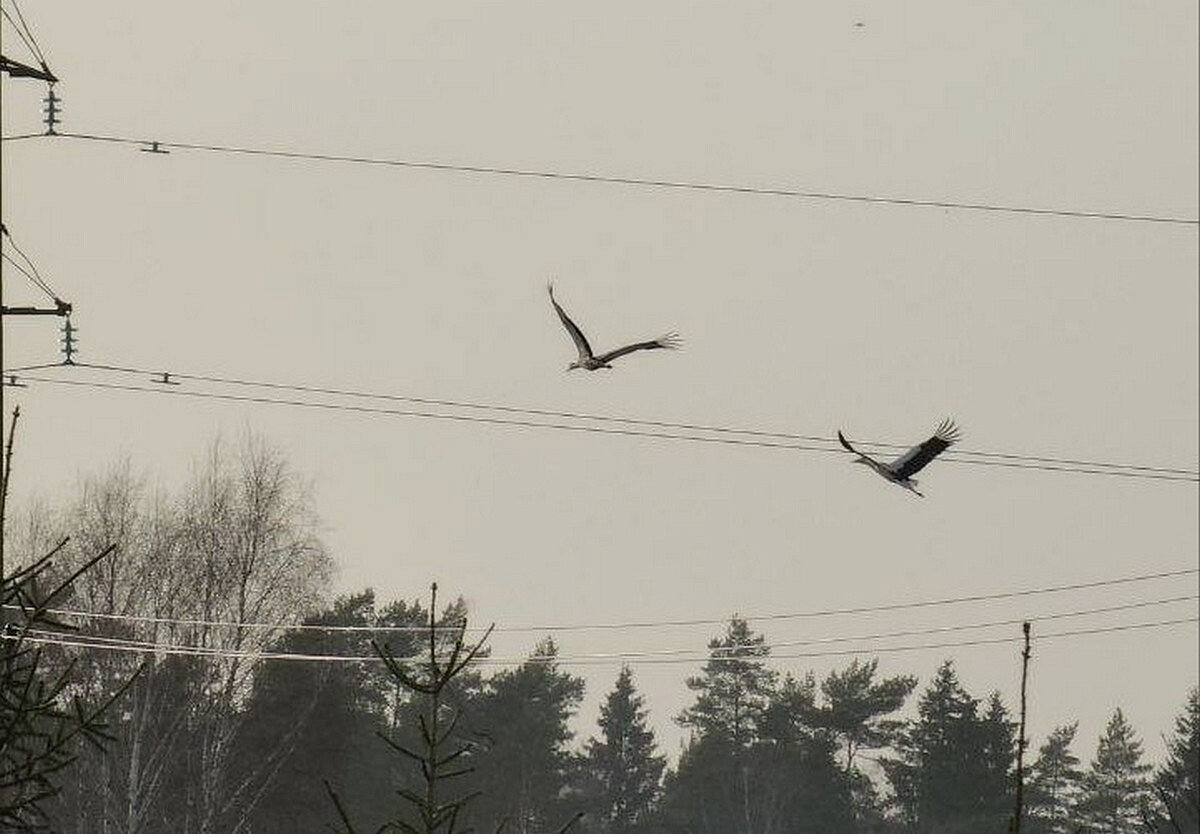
734 692
855 707
1114 787
734 687
785 780
1054 783
624 764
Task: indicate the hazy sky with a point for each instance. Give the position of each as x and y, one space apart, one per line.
1040 335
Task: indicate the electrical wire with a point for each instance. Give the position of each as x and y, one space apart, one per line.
951 454
648 624
35 277
20 33
33 280
638 181
32 42
699 654
530 424
566 660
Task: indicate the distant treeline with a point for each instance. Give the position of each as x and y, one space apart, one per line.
221 742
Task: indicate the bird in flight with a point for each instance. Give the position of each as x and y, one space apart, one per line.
901 470
591 362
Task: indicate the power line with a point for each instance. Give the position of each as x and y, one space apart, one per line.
167 649
700 654
951 454
32 41
629 625
33 279
31 267
1115 470
20 32
638 181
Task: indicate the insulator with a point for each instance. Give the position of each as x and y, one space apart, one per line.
52 109
68 342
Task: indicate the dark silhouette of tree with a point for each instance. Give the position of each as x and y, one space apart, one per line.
757 761
524 766
1177 782
1115 790
734 687
945 778
622 763
440 758
855 707
1054 780
998 736
42 715
305 722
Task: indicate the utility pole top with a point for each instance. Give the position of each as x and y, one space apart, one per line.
18 70
61 308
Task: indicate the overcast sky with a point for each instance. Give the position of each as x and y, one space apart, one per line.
1041 335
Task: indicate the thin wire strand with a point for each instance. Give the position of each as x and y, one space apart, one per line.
952 454
32 279
37 49
700 654
20 33
567 660
627 625
530 424
37 276
641 182
18 137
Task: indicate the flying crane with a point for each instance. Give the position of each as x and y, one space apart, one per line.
588 360
901 470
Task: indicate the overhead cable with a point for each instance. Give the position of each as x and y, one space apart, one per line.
695 653
638 181
951 454
1147 473
165 649
646 624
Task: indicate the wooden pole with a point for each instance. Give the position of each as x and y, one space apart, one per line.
1019 812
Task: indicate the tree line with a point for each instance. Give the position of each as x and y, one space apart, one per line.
221 741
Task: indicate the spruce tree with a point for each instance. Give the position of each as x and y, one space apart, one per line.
1177 783
1115 790
1054 781
525 769
623 763
945 779
998 757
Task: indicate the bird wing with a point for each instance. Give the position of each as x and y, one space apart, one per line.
916 458
846 444
581 342
669 342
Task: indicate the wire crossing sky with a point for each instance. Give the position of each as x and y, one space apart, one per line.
616 659
626 180
1006 460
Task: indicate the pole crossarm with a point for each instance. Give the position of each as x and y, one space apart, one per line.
60 308
18 70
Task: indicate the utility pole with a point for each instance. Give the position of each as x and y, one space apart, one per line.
1019 812
16 69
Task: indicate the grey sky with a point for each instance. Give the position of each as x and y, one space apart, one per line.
1041 335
